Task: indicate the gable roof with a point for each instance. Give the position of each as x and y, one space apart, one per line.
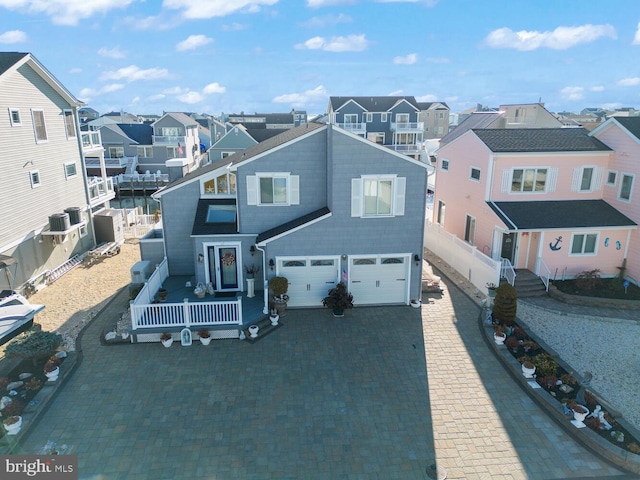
186 120
293 224
138 132
274 142
632 124
372 104
561 214
540 140
9 59
475 120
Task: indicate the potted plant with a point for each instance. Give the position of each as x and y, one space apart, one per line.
528 368
499 335
51 370
491 288
251 270
338 299
205 336
167 339
12 424
279 287
273 315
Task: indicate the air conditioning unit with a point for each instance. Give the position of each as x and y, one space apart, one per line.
59 222
76 215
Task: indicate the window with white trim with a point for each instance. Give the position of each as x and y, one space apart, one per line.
444 164
384 117
172 152
273 189
116 152
369 117
350 118
470 229
144 152
626 186
612 176
34 176
224 184
39 127
14 117
475 174
70 170
528 180
226 154
586 179
69 123
376 137
377 196
402 118
584 243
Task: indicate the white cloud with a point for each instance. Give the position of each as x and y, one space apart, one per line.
111 52
559 39
157 22
174 90
86 94
629 82
191 97
213 88
572 93
157 97
636 38
350 43
328 3
65 12
194 9
133 73
233 27
192 42
596 88
13 36
406 60
396 93
427 98
315 96
112 87
325 20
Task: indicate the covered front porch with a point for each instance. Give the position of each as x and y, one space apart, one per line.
224 314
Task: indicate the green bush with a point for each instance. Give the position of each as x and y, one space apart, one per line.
34 344
279 285
505 304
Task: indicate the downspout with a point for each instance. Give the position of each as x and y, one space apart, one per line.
265 309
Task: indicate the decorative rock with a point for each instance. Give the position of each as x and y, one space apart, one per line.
15 385
61 354
110 336
4 401
24 376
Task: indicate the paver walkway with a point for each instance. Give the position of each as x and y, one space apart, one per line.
380 394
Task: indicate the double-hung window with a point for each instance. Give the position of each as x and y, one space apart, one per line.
144 152
116 152
69 123
586 179
377 196
369 117
528 180
612 176
34 176
70 170
626 186
39 126
273 189
444 164
584 243
14 117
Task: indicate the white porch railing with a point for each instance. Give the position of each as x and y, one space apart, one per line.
472 264
353 127
169 139
100 190
507 271
147 315
543 272
407 127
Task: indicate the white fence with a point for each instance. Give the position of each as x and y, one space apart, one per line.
146 315
137 224
472 264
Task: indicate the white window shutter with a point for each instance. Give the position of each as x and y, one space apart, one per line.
552 180
252 190
506 181
398 201
577 177
356 197
597 181
294 189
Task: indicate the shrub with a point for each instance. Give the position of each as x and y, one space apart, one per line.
505 304
338 298
34 344
588 279
279 286
545 364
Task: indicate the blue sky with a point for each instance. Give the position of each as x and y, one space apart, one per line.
213 56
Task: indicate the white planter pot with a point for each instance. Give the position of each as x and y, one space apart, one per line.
580 416
253 331
167 343
528 372
499 339
274 320
415 303
52 376
205 341
14 428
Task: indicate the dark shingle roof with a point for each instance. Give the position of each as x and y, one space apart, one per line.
273 142
138 132
475 120
262 134
540 140
9 59
200 225
295 223
372 104
535 215
630 123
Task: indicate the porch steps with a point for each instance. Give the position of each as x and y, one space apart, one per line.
528 284
265 328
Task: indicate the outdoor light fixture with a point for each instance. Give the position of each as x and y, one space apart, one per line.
271 264
252 250
200 258
416 258
344 257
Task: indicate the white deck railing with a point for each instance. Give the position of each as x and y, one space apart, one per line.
507 271
543 272
147 315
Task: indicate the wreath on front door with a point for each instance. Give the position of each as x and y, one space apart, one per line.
228 259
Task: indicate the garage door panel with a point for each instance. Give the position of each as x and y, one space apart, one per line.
310 278
378 280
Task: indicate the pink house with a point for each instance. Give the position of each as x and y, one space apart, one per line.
536 197
622 134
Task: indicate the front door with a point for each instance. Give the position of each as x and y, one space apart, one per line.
223 267
508 250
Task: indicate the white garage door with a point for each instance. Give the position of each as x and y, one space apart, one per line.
379 279
310 278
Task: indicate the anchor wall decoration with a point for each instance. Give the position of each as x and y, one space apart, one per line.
554 246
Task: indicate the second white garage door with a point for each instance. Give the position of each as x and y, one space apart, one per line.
379 279
310 278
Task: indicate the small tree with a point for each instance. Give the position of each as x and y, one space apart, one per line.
279 286
505 304
34 344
